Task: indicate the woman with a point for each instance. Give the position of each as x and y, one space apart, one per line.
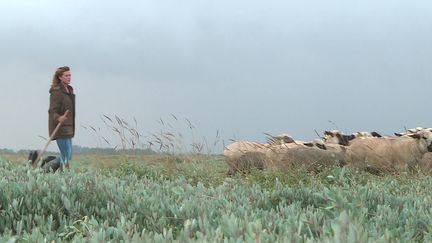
62 99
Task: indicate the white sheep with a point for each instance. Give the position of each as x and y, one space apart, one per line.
389 154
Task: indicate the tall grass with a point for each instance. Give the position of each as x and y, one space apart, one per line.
166 140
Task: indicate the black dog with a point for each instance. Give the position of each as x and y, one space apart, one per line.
49 163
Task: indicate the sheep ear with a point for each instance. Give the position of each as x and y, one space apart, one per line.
327 133
308 144
375 134
344 139
415 135
321 146
398 134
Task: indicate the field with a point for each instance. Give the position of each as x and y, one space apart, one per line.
191 199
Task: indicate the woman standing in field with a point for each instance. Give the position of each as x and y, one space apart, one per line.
62 99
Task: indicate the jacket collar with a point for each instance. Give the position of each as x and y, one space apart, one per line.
63 89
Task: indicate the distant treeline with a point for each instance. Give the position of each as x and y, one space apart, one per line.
86 150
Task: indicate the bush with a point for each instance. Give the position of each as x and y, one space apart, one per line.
138 203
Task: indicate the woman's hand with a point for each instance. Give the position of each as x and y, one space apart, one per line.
63 118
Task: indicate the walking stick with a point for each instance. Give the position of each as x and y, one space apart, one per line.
38 160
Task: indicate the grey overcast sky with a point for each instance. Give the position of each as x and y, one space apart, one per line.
240 67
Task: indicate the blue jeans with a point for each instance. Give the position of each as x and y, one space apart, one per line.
65 146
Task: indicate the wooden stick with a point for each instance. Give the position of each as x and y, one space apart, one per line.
39 158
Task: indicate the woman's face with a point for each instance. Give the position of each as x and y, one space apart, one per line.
65 78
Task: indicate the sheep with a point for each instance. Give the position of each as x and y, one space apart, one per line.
317 143
312 156
279 139
243 155
337 137
236 149
312 159
425 164
389 154
416 129
337 148
411 131
275 151
248 161
364 134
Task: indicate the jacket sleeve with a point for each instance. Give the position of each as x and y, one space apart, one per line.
55 105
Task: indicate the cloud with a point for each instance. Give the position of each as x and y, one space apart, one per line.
241 67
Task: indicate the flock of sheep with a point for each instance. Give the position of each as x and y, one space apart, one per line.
409 151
